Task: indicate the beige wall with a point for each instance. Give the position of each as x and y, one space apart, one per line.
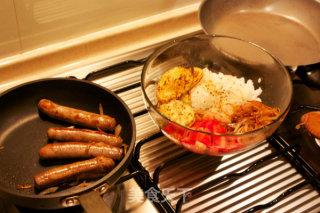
27 25
9 36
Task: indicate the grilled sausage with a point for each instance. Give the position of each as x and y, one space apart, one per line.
79 150
76 116
74 171
83 135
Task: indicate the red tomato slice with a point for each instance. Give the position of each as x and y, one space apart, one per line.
214 143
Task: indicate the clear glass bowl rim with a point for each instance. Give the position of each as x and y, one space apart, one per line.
206 36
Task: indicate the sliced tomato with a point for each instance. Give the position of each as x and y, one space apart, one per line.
214 143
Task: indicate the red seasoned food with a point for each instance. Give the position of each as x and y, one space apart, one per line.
76 171
311 122
253 115
79 150
76 116
83 135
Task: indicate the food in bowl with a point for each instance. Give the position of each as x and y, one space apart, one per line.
210 102
249 99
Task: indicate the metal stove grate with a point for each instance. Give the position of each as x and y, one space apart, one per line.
175 179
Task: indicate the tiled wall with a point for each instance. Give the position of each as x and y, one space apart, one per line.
31 24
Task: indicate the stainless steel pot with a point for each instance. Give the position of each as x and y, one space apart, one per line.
289 29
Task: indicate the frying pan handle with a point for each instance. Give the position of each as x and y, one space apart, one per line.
91 201
309 74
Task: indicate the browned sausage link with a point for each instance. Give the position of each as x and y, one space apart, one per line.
83 135
79 150
76 116
74 171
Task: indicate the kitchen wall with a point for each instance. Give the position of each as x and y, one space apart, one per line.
27 25
9 36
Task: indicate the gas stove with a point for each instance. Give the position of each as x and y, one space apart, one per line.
279 175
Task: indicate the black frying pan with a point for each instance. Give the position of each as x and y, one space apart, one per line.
23 131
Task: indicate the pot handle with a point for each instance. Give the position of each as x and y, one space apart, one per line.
92 202
309 74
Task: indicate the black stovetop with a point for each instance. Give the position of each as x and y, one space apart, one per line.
304 99
304 96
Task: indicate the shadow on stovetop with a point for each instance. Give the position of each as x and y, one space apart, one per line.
304 99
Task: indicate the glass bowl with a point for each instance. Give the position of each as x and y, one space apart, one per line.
219 54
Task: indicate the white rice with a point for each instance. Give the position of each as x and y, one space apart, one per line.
218 93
